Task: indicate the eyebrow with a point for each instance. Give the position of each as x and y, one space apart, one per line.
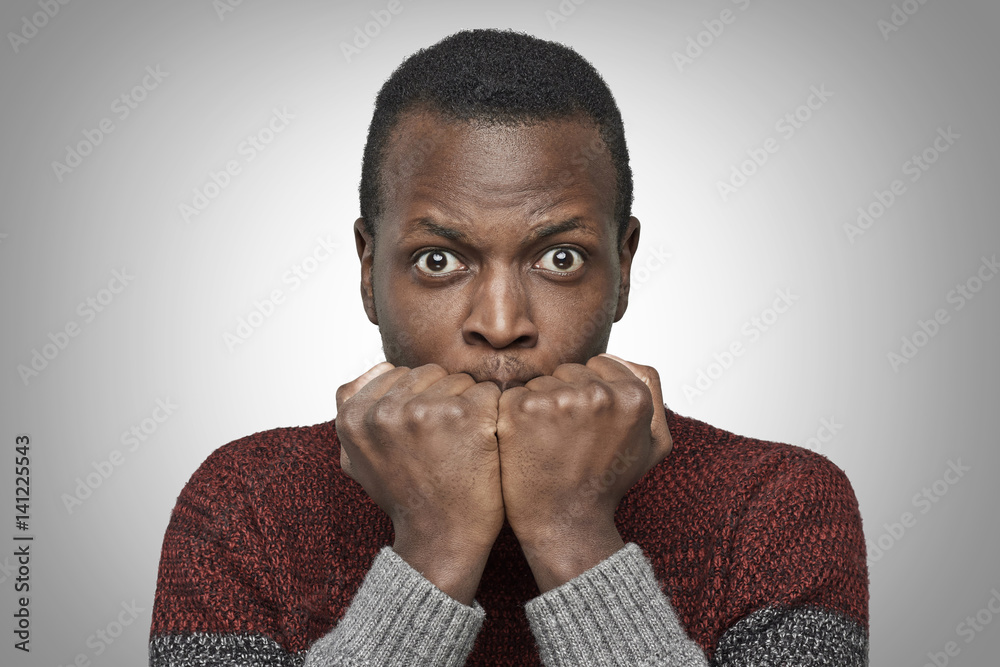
429 226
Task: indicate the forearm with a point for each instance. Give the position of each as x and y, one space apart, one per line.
612 614
208 648
616 614
801 635
398 617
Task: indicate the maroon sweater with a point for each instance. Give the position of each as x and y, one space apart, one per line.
754 542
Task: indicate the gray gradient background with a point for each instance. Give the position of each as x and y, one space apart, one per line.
162 337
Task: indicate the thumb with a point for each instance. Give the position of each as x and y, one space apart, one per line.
659 430
346 391
345 462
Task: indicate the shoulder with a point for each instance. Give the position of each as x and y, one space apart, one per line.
277 489
766 500
777 527
268 461
751 467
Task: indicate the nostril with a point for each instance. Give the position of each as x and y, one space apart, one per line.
478 337
521 341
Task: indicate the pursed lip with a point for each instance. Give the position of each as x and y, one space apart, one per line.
502 370
503 382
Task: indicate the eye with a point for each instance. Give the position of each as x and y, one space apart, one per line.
437 262
561 260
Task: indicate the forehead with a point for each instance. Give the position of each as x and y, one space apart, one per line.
469 169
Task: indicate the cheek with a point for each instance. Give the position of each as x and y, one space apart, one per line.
417 324
577 324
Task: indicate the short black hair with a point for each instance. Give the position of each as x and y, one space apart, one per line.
495 77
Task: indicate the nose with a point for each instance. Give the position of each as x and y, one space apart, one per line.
500 312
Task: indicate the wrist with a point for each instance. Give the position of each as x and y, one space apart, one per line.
560 556
454 568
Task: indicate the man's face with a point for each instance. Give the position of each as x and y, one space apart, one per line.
497 252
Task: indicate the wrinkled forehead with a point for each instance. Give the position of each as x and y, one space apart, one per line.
467 167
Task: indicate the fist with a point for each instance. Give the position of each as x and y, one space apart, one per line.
573 443
423 445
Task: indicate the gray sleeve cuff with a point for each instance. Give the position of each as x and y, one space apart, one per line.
612 614
398 617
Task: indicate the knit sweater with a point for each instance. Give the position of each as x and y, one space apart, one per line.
738 551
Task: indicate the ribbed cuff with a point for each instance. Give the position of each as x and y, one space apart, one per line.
398 617
612 614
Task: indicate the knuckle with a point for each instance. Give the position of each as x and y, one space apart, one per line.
534 403
381 413
424 414
642 399
454 409
421 414
599 396
564 398
417 413
347 420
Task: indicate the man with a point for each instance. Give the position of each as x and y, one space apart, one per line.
541 503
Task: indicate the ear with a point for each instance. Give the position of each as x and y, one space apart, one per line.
629 244
365 245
